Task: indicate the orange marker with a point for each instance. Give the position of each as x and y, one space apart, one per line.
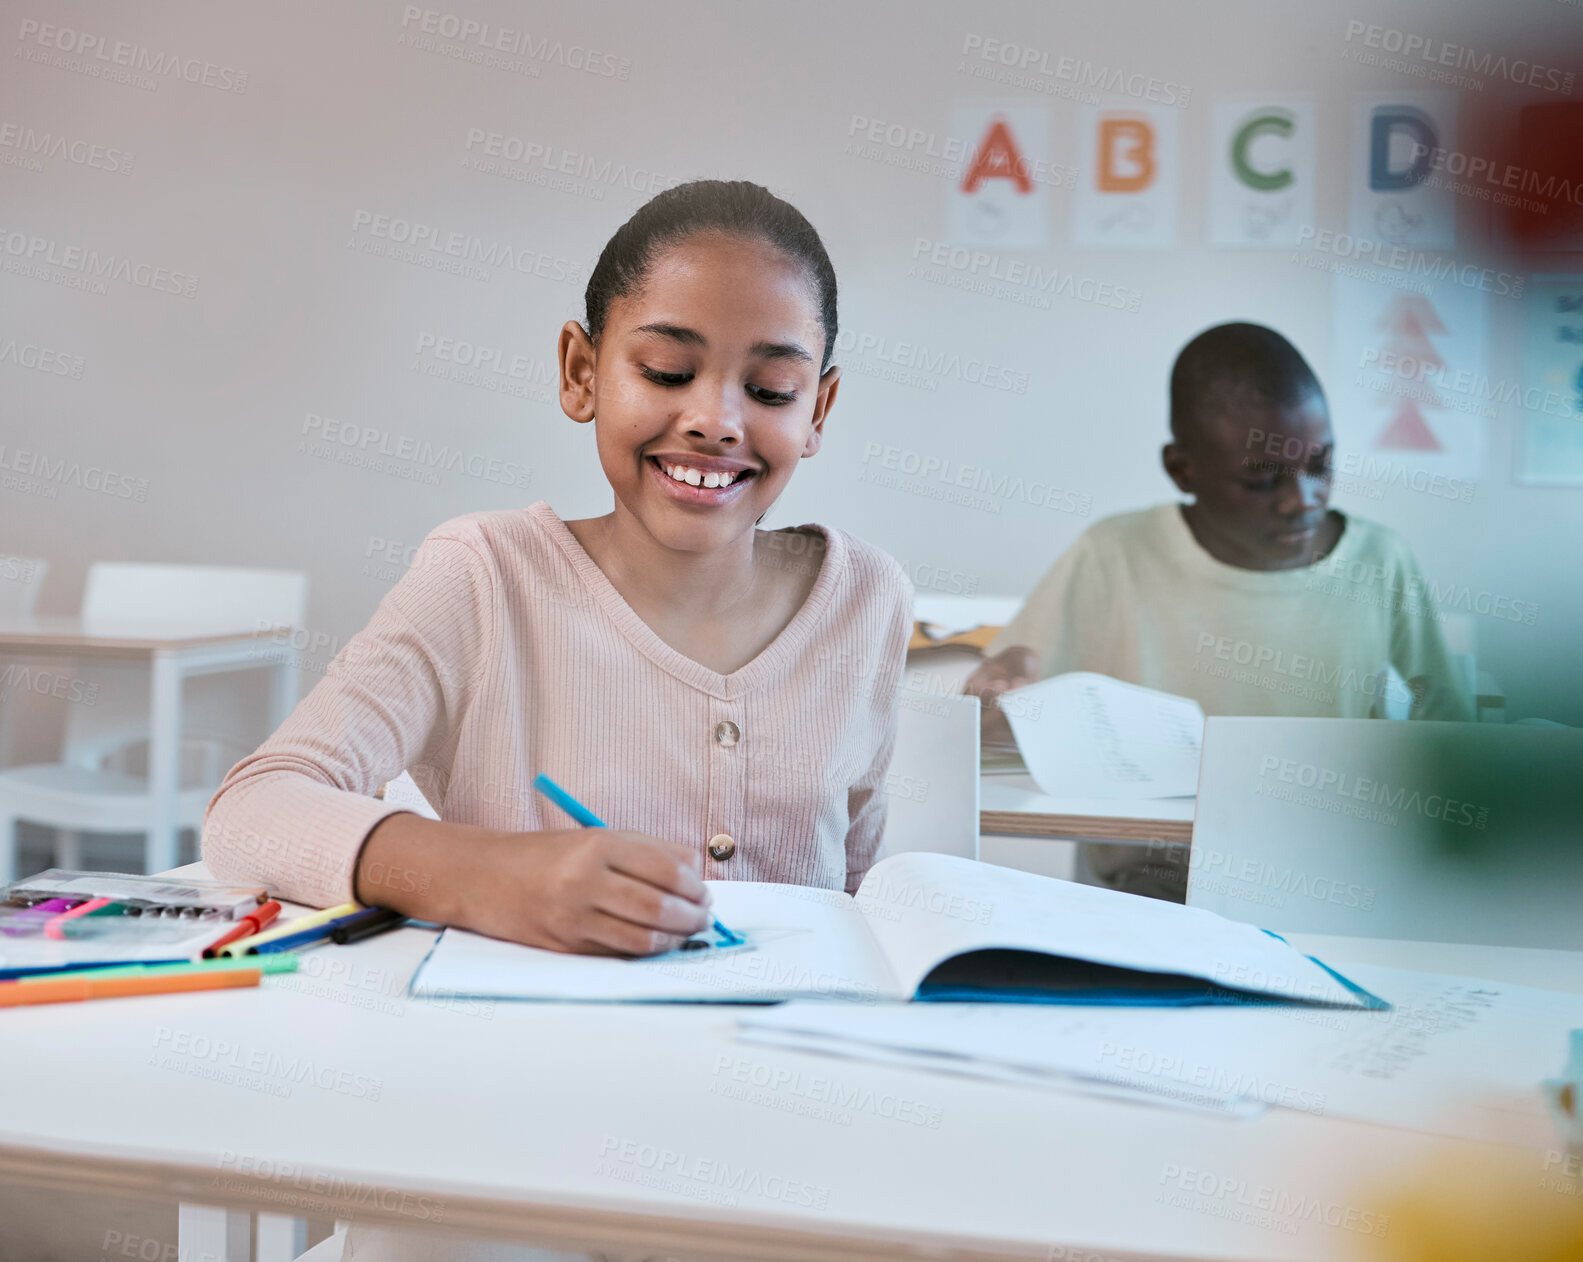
70 990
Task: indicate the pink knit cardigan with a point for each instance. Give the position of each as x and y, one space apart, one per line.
505 651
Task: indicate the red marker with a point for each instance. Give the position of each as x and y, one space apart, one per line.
246 927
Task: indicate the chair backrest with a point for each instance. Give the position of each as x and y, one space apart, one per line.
218 724
206 595
1440 832
20 581
963 613
932 785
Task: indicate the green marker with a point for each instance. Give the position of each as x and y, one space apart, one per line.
284 962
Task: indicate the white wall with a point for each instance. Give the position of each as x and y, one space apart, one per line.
255 193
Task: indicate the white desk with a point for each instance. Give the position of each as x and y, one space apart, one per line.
174 652
1015 806
1020 826
587 1126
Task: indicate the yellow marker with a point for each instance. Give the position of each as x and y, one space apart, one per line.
281 928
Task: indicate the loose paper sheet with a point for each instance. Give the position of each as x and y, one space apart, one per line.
1088 735
1455 1056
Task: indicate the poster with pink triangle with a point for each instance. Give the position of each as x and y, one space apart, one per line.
1407 401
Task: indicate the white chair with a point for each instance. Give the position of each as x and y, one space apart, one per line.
952 614
21 578
932 784
100 785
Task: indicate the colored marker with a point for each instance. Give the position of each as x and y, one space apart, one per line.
54 927
37 915
250 926
242 945
266 963
315 933
588 819
368 926
74 989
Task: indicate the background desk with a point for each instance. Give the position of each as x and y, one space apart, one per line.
1014 806
174 652
545 1123
1021 827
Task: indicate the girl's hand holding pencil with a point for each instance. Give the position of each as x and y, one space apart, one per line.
600 891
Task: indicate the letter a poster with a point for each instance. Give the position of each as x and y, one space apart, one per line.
1127 176
1002 194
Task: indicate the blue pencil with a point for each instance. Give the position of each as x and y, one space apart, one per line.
588 819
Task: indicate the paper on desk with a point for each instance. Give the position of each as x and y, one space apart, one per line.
803 941
1454 1056
1193 1099
1088 735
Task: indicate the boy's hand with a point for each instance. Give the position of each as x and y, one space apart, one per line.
1015 667
595 890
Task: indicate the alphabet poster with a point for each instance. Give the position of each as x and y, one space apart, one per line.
1261 171
1551 450
1002 194
1400 141
1128 172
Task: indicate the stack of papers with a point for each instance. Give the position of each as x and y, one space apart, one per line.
1454 1056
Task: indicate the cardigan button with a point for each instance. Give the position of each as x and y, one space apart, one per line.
727 733
721 847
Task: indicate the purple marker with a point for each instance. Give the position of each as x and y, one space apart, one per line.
34 917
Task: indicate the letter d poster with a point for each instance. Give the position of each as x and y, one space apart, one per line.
1401 192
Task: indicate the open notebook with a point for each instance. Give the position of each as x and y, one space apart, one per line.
922 926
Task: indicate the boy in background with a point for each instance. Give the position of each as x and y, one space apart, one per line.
1253 598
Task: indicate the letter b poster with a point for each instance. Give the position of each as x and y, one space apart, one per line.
1127 177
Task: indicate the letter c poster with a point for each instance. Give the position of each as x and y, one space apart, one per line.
1261 171
1127 177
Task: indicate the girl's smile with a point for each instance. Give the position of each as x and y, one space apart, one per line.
693 479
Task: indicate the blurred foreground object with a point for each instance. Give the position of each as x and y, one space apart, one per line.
1506 1204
